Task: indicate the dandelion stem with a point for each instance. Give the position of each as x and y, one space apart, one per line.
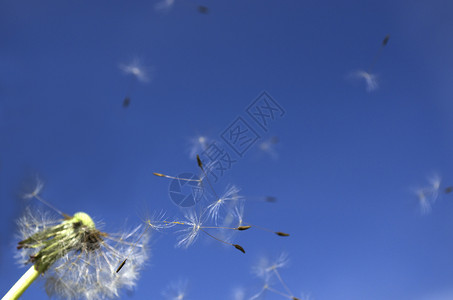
22 284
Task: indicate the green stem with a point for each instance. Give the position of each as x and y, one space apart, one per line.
22 284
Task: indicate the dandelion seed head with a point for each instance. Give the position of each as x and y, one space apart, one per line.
76 259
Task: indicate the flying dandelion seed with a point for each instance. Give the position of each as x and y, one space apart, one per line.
370 78
428 195
126 102
194 223
448 190
75 258
138 73
238 294
167 5
164 5
268 199
176 290
268 147
196 219
198 144
378 54
267 270
231 195
203 9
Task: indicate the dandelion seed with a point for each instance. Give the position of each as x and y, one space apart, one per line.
370 80
126 102
238 214
165 5
176 290
203 9
178 178
267 269
199 162
136 69
76 259
244 227
38 186
378 54
279 233
368 76
198 144
239 248
138 72
238 294
190 234
268 147
270 199
231 195
428 195
194 224
448 190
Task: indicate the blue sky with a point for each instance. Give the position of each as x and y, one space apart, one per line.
348 160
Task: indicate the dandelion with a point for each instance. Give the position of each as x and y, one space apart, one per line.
176 290
75 258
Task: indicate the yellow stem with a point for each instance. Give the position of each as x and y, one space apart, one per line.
22 284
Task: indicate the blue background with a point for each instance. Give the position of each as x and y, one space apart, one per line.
347 159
